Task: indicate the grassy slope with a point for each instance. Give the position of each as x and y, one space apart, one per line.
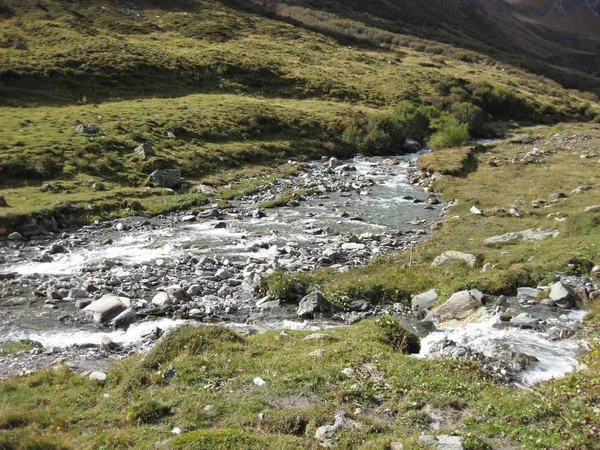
232 86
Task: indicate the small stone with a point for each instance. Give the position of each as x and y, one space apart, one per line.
318 353
259 381
475 210
176 431
15 236
319 337
348 371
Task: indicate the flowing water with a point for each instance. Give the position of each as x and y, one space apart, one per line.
385 209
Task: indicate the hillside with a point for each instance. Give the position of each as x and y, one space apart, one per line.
221 86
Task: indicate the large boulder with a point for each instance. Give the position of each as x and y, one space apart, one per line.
166 178
106 308
452 255
425 300
460 306
313 303
562 295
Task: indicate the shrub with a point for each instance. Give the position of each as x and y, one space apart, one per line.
470 114
149 411
450 132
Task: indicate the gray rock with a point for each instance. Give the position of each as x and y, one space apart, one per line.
54 293
86 128
108 344
592 208
124 318
98 376
205 189
166 178
327 433
319 337
144 151
97 186
557 195
424 300
411 145
312 303
524 319
452 255
459 306
106 308
442 442
15 236
333 163
562 295
535 234
351 246
223 274
525 294
161 299
78 293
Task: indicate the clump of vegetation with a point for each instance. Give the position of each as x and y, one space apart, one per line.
397 336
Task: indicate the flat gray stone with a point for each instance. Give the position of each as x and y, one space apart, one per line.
452 255
534 234
105 309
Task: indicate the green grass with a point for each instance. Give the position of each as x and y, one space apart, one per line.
212 366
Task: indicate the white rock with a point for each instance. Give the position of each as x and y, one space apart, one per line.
98 376
475 210
259 381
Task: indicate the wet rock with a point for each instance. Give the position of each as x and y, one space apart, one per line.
15 236
460 306
562 295
424 300
106 308
452 255
525 319
333 163
124 319
166 178
527 294
58 248
108 344
258 214
144 151
311 304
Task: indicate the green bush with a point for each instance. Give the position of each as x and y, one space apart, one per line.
149 411
449 132
470 114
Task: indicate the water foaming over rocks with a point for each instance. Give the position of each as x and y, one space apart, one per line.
346 215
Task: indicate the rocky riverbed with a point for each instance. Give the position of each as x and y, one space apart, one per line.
150 274
110 289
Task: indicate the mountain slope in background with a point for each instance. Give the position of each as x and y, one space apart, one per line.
537 34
